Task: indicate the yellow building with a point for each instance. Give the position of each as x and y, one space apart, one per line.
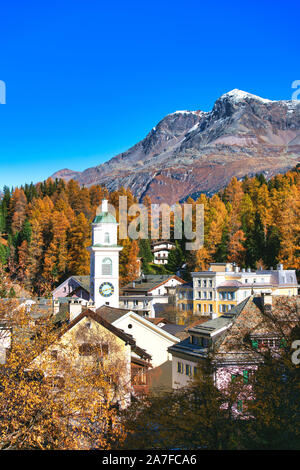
225 285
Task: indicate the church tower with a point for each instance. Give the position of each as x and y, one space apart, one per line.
104 272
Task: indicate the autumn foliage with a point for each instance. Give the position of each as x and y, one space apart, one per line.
46 228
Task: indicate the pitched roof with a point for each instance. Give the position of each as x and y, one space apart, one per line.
84 282
149 282
111 314
247 318
113 329
173 329
157 320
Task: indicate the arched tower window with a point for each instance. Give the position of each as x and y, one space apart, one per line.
106 238
107 267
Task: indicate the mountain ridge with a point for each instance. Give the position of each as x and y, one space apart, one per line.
195 151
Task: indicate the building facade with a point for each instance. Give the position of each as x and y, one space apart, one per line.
161 250
149 294
225 285
104 266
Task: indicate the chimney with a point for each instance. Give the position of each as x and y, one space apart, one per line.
133 284
55 306
91 305
104 205
75 308
267 301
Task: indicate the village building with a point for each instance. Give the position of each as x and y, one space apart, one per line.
161 250
153 338
184 300
150 294
223 339
74 286
225 285
89 337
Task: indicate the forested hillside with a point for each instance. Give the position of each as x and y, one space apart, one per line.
45 229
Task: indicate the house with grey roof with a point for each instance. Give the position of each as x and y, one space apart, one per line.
150 294
74 286
235 341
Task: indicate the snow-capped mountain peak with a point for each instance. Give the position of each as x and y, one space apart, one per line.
237 95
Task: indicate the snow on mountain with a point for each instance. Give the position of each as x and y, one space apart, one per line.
192 151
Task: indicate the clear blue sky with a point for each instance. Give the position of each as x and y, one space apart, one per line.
87 79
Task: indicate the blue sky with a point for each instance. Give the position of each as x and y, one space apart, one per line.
86 80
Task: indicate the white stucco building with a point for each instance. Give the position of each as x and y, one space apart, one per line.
104 272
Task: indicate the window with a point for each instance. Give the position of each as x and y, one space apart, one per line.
180 367
54 354
199 283
55 381
199 308
188 369
106 238
205 342
107 267
86 349
204 283
210 283
210 308
196 340
196 371
140 378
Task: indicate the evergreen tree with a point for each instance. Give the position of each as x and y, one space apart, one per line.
222 249
255 242
146 254
272 246
175 258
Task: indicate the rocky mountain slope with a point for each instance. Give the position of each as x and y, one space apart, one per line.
193 151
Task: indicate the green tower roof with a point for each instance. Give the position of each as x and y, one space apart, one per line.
104 218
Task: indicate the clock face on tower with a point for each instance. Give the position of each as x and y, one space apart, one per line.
106 289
